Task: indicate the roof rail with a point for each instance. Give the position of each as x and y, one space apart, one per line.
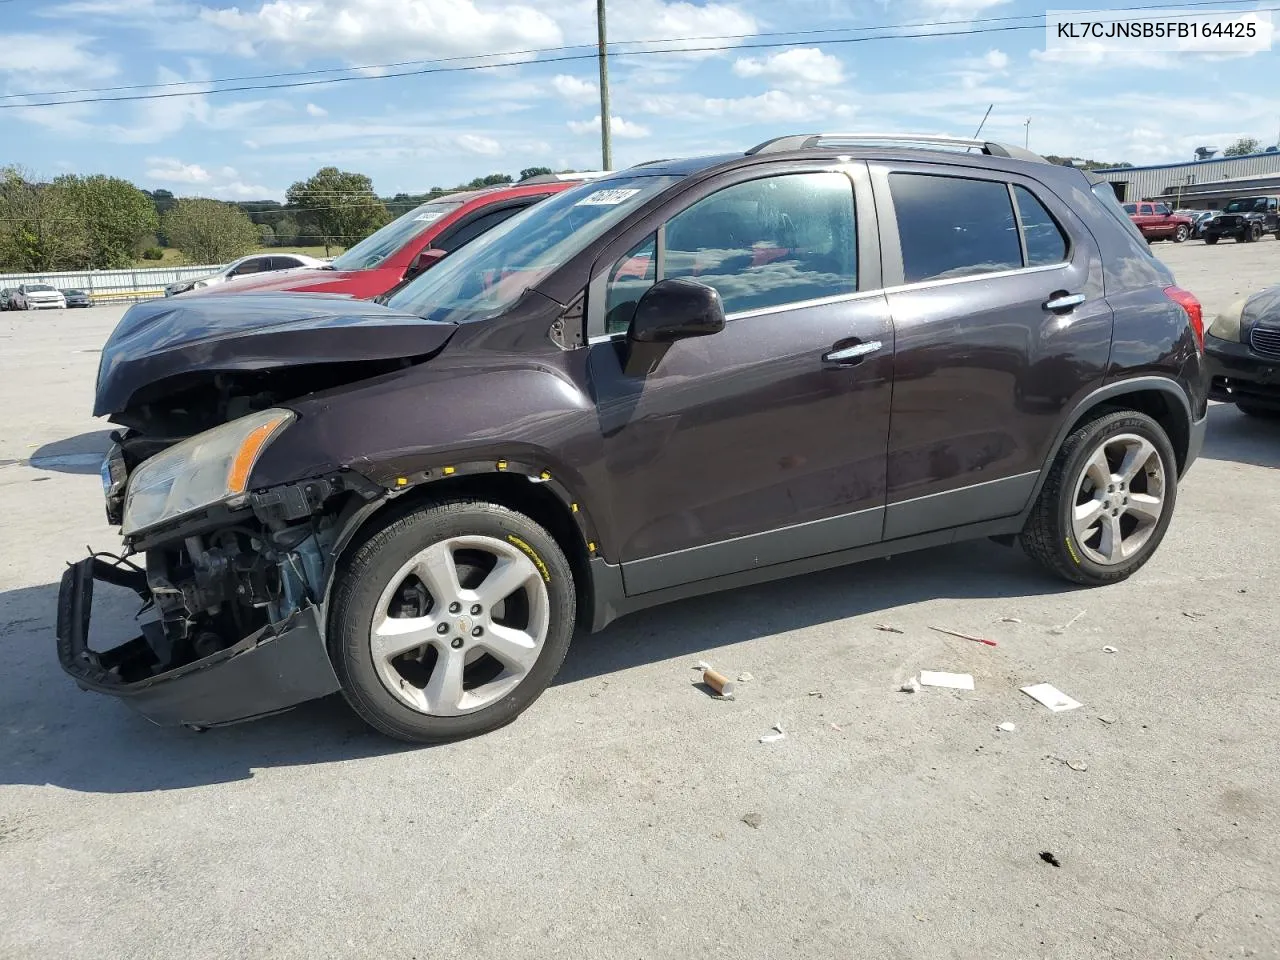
561 177
813 141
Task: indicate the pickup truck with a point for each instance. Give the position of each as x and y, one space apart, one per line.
1157 221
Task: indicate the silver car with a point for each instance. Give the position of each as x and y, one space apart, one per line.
255 263
37 296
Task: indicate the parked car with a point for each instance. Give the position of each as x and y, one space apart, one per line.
1242 351
77 298
5 298
413 242
36 296
1199 220
1157 221
684 377
1248 219
258 263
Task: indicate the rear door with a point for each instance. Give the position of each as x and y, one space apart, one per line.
996 293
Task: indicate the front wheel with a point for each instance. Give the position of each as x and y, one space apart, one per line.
1210 239
1253 233
451 620
1181 234
1107 501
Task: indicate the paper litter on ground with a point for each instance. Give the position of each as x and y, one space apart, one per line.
1007 727
778 734
957 681
1051 697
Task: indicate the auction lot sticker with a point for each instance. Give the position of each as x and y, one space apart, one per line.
606 198
1118 31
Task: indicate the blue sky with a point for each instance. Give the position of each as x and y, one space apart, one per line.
412 133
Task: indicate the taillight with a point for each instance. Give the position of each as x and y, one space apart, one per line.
1188 302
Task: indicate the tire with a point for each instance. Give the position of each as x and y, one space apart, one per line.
1253 233
1210 239
377 573
1050 535
1262 413
1182 234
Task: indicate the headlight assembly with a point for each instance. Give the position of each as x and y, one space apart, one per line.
210 468
1226 325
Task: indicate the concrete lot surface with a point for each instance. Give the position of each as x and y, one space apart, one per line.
612 819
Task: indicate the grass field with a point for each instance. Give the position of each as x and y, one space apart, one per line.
172 258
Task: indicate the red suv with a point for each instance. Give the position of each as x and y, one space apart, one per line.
1157 221
409 244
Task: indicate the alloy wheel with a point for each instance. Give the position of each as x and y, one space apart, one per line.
1119 498
460 625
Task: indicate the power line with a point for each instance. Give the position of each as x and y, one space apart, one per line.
583 56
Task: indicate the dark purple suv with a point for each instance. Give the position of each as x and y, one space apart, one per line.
684 377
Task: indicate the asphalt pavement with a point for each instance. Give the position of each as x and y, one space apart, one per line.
629 814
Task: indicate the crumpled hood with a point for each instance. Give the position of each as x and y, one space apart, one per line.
160 339
1263 308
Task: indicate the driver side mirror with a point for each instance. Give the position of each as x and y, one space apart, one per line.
424 261
670 310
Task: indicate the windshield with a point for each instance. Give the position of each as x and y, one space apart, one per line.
40 288
373 249
490 273
1247 205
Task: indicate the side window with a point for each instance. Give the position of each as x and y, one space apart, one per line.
1131 209
1272 204
1162 208
1046 243
1145 209
768 242
284 263
460 236
255 265
953 227
633 274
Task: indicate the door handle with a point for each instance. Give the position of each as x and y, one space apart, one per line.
1064 302
850 356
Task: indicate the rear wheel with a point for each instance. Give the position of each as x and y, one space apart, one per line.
1253 233
451 620
1181 234
1107 501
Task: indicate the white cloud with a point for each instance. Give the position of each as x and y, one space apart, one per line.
573 89
43 56
801 67
773 106
225 184
677 21
172 170
372 31
316 111
959 9
475 143
996 59
619 127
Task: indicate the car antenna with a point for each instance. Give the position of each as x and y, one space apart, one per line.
981 125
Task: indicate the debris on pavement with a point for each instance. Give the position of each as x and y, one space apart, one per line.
1110 650
718 682
1107 720
1008 620
956 681
1079 766
1051 697
888 628
752 820
837 728
777 734
816 693
964 636
1050 859
745 678
1192 614
911 686
1068 625
1007 727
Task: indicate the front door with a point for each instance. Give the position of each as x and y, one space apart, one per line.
995 288
765 442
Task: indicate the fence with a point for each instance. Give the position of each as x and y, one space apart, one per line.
113 286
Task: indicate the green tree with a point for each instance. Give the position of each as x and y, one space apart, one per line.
120 218
1242 147
210 231
530 172
266 236
337 207
39 229
286 229
492 180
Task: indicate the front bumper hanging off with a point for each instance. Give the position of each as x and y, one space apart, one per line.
272 669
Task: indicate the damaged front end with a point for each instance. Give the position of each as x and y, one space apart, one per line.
232 626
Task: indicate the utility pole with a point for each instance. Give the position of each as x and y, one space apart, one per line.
606 133
1026 142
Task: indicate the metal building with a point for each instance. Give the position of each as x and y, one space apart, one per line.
1198 184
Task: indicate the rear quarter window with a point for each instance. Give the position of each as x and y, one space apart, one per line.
952 227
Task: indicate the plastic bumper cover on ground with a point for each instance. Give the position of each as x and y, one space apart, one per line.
1237 373
278 667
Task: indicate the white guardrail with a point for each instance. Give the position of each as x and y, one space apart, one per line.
113 286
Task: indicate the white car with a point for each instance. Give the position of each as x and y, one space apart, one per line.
37 296
245 266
